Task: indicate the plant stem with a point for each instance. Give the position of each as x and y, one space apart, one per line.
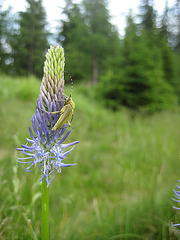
45 211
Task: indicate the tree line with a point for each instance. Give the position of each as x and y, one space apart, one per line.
140 70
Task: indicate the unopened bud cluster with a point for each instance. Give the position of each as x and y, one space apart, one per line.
54 64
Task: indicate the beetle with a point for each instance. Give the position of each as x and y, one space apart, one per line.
66 112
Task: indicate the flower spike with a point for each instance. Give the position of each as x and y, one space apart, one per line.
45 149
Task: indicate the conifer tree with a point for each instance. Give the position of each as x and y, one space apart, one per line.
30 41
177 26
100 34
148 15
167 54
144 83
4 14
177 45
165 23
73 35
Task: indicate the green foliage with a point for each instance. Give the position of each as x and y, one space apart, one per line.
24 90
74 38
5 18
140 83
144 83
121 187
175 25
88 38
148 15
140 71
110 90
29 42
102 35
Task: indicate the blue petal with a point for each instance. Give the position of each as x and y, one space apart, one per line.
66 153
43 176
25 158
177 192
30 131
175 225
176 208
29 148
27 153
47 138
65 136
38 114
24 162
27 169
34 125
67 165
29 140
36 120
41 135
175 200
69 144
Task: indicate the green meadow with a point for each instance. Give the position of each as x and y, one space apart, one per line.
121 188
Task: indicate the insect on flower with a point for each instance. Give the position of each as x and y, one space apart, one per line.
46 148
66 112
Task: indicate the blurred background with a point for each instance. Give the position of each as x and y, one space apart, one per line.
124 58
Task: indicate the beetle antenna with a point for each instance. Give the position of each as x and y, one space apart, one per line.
71 83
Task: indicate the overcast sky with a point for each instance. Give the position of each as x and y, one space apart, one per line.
118 9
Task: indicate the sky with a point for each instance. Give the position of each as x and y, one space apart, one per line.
118 9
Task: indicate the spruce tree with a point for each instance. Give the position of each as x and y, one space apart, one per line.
73 35
177 26
144 83
147 15
177 48
165 23
100 34
30 41
168 56
4 22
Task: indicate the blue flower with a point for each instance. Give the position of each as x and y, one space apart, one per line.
46 149
176 199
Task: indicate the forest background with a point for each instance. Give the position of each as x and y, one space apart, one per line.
140 71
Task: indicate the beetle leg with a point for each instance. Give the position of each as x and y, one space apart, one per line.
50 112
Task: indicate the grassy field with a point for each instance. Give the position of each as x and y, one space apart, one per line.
121 187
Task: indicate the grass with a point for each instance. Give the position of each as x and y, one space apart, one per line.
121 187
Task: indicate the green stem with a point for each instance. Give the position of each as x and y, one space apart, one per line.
45 211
